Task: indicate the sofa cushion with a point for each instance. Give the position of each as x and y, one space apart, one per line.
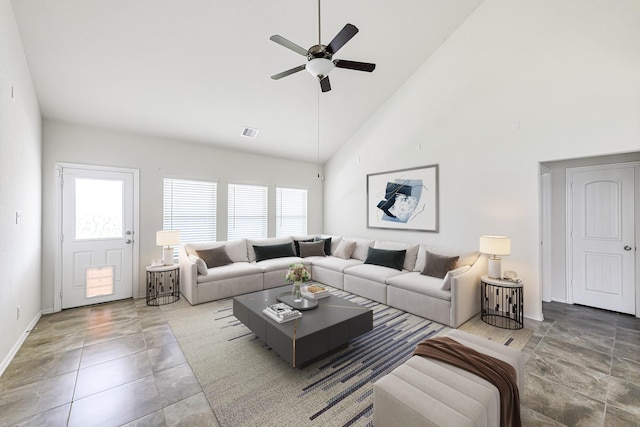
276 264
200 264
312 249
230 271
236 249
296 244
215 257
446 283
345 249
362 248
273 251
410 257
375 273
438 265
335 263
467 257
265 242
386 258
327 244
416 282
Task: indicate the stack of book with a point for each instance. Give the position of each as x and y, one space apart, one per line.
315 292
281 312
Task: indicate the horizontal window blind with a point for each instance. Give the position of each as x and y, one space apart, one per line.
190 206
291 212
247 212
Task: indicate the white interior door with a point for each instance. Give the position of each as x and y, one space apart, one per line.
603 238
97 236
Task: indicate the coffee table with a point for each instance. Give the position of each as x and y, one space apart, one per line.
318 332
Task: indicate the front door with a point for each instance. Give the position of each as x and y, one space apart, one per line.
97 236
603 237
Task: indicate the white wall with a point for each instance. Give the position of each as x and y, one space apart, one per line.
520 82
156 159
21 152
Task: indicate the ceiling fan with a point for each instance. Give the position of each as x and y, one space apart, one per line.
319 57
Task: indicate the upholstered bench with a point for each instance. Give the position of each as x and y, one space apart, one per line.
427 392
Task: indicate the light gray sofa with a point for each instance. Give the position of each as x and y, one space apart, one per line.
406 289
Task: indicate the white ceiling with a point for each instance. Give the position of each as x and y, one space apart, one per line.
200 70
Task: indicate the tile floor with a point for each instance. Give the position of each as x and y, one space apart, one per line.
119 364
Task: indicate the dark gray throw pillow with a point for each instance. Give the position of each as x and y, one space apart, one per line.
312 249
438 265
296 244
215 257
273 251
386 258
327 244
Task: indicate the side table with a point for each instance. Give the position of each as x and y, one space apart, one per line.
501 303
163 284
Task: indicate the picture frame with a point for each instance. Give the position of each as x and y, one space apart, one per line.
404 199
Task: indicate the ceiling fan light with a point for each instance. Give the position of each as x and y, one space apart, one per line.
320 67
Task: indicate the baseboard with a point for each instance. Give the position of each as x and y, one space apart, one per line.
14 350
539 317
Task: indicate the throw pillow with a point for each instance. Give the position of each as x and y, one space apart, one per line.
215 257
312 249
273 251
446 283
296 244
327 244
386 258
345 249
200 264
438 265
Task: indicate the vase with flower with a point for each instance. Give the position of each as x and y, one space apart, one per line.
297 274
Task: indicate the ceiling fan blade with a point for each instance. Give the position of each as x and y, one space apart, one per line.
355 65
289 44
342 38
325 85
288 72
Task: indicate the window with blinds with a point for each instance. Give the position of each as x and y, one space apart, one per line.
247 214
291 212
190 206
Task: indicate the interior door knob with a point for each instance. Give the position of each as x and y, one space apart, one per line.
127 241
627 248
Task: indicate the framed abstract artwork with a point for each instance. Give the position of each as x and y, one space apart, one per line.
404 199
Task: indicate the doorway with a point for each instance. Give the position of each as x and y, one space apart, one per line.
97 255
601 236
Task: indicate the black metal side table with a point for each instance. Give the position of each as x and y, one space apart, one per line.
501 303
163 284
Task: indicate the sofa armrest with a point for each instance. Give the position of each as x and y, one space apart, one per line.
188 277
465 293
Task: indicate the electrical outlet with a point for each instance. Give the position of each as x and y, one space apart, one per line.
18 309
18 218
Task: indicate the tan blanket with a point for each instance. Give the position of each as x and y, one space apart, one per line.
497 372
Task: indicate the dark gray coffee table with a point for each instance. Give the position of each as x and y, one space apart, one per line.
318 332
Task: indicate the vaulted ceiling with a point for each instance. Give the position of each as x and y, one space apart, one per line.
199 70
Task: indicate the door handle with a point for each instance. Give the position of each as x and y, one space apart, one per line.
128 241
627 248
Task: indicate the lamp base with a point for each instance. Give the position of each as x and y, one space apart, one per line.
167 256
495 268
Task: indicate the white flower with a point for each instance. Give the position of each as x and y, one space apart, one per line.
298 273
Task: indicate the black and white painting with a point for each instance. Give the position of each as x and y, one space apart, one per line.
405 199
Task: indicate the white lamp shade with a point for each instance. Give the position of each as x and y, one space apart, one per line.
320 67
168 237
495 245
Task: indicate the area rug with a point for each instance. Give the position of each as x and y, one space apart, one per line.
247 384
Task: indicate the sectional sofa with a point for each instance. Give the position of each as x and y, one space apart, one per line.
437 283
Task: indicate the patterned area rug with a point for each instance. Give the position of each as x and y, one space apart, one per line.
247 384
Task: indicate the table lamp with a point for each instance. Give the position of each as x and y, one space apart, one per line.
495 246
168 238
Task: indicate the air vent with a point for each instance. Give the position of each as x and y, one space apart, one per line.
250 132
